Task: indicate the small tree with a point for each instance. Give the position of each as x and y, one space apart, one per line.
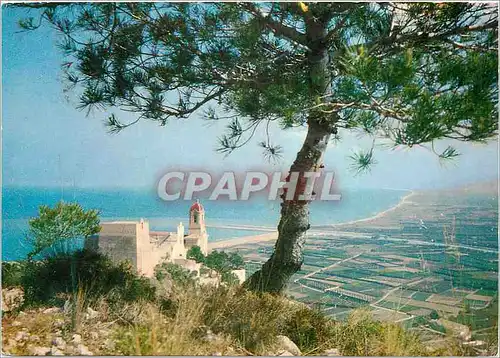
434 315
54 228
229 278
236 261
218 261
175 272
194 253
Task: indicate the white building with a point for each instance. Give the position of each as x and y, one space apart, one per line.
132 241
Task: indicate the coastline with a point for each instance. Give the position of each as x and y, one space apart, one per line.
222 244
402 202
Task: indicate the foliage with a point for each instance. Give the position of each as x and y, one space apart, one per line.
252 319
221 261
194 253
45 281
360 335
52 230
177 273
310 329
229 278
242 322
12 272
407 73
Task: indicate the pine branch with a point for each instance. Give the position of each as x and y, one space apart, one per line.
279 28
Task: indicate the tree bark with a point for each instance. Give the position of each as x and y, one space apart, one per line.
287 257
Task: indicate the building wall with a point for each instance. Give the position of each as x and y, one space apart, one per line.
118 240
240 274
131 241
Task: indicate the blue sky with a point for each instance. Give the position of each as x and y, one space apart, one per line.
47 142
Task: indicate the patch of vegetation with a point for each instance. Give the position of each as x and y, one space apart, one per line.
176 273
55 229
12 272
219 261
52 279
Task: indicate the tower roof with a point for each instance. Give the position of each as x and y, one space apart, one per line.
196 206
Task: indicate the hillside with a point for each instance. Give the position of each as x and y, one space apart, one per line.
115 312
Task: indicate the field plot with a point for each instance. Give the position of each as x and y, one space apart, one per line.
389 315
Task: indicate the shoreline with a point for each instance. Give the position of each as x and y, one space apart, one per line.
381 214
244 240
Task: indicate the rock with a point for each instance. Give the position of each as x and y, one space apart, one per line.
38 351
286 344
54 351
52 310
21 336
94 335
76 339
83 350
210 336
333 352
91 314
59 323
285 354
12 298
217 354
59 343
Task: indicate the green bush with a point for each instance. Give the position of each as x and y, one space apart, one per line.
360 335
12 272
45 281
55 229
310 329
176 273
252 319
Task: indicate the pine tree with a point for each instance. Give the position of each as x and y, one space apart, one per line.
405 73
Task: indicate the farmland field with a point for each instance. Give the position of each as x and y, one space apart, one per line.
449 269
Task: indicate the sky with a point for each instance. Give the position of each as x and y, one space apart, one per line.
47 142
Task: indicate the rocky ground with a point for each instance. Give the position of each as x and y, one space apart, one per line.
53 331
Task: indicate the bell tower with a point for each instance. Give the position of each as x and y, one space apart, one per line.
197 219
197 226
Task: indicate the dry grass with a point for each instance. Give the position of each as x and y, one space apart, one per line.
206 320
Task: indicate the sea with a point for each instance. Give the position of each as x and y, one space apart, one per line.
224 218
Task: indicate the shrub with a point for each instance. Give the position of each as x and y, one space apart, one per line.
252 319
194 253
310 329
54 230
362 336
229 278
176 273
12 272
44 281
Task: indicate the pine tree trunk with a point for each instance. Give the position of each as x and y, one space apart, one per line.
287 257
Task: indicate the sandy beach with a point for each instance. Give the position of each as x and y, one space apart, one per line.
404 201
271 236
243 240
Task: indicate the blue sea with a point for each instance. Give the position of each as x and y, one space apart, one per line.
21 204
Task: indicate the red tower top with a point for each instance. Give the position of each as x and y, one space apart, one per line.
196 206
